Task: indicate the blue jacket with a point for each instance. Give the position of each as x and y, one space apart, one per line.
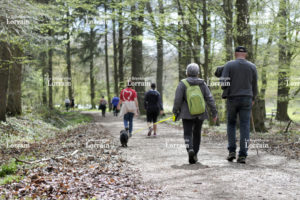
115 101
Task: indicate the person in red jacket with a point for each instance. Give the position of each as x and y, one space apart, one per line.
130 106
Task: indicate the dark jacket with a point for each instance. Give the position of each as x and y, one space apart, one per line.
180 102
152 101
218 73
242 76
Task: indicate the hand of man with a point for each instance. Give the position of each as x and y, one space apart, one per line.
161 112
215 119
253 103
137 112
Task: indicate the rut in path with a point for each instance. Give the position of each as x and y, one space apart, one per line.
163 162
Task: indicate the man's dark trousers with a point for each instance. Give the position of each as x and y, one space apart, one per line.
239 105
192 133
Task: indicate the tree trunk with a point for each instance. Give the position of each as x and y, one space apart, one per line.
43 57
50 55
264 73
207 40
14 103
159 44
228 10
116 88
68 57
184 51
160 51
106 63
160 65
120 49
92 78
5 57
137 69
284 67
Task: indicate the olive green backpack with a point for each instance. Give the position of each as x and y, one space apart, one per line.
195 99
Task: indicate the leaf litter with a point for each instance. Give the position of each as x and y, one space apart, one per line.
83 163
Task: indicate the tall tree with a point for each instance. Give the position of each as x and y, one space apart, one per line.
158 32
184 51
50 72
91 60
68 55
106 59
284 64
115 50
42 58
5 57
206 27
120 46
14 103
137 70
228 11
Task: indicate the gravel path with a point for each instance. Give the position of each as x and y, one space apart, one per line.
163 162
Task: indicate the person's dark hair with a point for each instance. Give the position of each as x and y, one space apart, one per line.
153 86
129 83
103 97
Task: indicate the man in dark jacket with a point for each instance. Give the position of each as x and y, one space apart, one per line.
242 76
153 106
192 124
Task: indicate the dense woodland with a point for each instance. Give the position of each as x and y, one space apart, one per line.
84 49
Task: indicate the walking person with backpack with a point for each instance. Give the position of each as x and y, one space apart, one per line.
67 104
191 97
242 78
115 102
130 106
102 106
153 106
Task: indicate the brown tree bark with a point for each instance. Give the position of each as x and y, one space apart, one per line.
158 31
106 62
14 102
68 57
43 57
284 64
120 49
228 10
5 57
207 40
116 85
50 73
137 70
92 77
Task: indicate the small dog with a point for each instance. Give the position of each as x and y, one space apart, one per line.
124 138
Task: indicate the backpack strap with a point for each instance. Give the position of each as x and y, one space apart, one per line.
186 83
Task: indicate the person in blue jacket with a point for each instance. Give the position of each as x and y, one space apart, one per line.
115 102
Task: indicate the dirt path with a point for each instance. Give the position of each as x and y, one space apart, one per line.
163 162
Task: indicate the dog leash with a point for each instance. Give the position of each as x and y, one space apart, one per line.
172 117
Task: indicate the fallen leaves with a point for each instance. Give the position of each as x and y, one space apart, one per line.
88 173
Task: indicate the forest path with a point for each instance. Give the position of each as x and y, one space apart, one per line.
163 162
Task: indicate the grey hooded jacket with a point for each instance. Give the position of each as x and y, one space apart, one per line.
180 103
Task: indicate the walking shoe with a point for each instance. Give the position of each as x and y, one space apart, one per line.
231 156
241 159
150 130
191 156
195 158
154 134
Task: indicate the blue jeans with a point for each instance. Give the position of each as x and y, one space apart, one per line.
128 117
242 106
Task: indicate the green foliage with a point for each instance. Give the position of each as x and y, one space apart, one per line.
7 169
